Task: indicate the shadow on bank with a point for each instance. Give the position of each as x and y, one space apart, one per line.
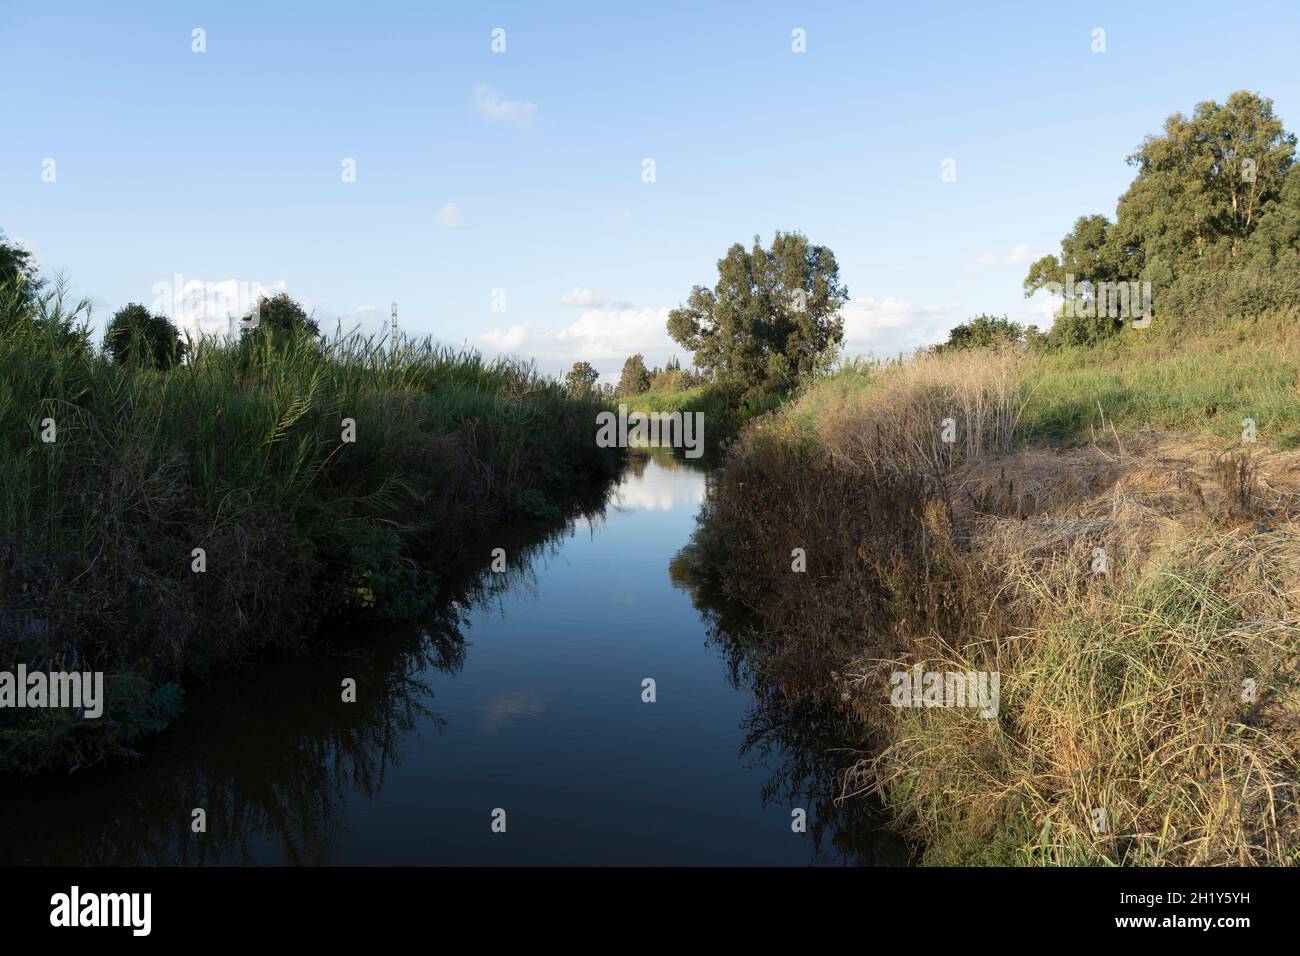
287 773
270 751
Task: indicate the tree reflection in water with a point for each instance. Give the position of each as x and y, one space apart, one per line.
274 756
803 746
270 751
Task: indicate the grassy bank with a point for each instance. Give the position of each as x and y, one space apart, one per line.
723 417
157 525
1203 381
1099 535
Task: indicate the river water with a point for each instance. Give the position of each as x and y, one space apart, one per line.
526 697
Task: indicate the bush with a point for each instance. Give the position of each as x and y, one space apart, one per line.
635 378
241 452
982 331
149 341
1076 329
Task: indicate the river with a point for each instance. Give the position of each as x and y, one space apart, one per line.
527 696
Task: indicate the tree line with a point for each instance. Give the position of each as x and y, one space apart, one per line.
134 334
1211 221
771 321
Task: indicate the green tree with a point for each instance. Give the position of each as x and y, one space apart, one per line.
983 330
1203 184
1210 224
1275 243
581 379
672 377
635 379
278 316
19 283
1203 187
134 335
16 266
1090 252
771 320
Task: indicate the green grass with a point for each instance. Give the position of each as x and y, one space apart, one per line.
241 452
1123 691
1201 382
723 418
1205 383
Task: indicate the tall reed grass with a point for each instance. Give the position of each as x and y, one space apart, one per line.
1122 691
242 453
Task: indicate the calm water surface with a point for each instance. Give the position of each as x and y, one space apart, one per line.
526 695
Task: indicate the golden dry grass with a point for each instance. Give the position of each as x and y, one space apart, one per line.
1121 691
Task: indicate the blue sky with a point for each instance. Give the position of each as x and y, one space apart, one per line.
520 172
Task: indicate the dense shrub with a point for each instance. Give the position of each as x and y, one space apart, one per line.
319 478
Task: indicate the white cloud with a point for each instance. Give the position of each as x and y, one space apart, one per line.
1019 255
583 298
658 493
490 105
211 308
892 325
604 337
507 340
618 333
449 215
1040 310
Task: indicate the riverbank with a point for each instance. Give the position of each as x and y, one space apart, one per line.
723 417
159 525
524 691
1114 532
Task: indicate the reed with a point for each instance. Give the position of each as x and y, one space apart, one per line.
1157 687
243 452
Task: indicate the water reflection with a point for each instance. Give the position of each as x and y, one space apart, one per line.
301 752
801 745
271 752
522 691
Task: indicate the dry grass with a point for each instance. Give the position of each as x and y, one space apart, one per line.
1122 683
922 417
1129 699
1122 690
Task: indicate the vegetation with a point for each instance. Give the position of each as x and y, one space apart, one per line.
157 523
581 379
1209 381
723 415
17 272
1211 221
1107 516
635 378
673 378
1121 689
771 321
981 331
133 335
277 317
